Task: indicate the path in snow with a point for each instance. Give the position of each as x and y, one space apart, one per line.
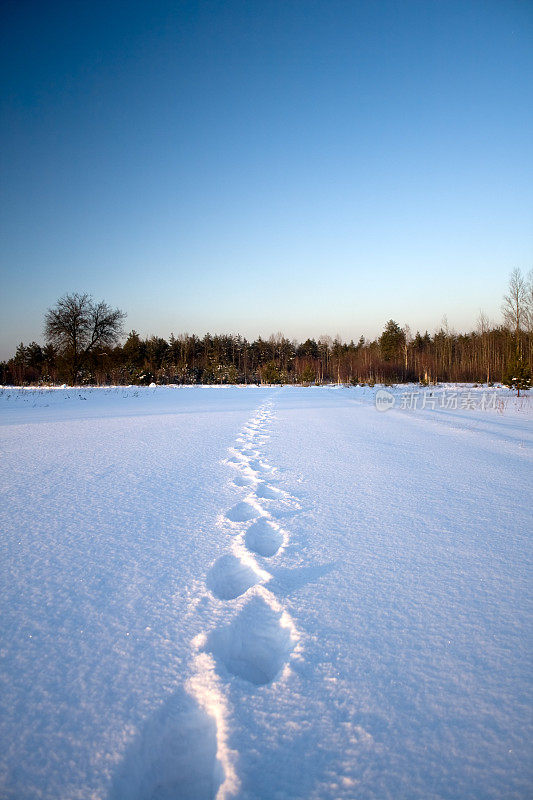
256 645
331 604
184 752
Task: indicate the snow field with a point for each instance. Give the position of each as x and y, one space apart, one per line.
263 593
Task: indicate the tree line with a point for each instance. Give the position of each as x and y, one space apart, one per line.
83 346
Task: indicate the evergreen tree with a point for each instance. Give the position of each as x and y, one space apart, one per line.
270 373
309 348
517 375
308 374
391 341
134 350
20 356
34 355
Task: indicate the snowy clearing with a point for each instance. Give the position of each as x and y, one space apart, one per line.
265 593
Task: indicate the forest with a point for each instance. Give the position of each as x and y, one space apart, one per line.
83 346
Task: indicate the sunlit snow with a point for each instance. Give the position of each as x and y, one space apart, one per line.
265 593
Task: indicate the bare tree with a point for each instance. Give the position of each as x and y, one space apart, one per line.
325 344
483 329
514 306
408 338
529 314
77 325
529 302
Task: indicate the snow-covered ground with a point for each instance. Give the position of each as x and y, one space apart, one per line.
265 593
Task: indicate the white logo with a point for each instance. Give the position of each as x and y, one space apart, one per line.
384 400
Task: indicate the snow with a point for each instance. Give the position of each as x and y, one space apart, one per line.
265 593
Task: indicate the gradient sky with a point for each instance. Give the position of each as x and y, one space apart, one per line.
312 167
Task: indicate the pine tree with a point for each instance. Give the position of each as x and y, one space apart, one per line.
391 341
308 374
517 375
270 373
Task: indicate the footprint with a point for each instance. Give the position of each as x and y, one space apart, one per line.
256 645
264 538
260 466
243 480
229 577
175 756
249 451
236 460
242 512
268 492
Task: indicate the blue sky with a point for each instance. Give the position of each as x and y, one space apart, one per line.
310 167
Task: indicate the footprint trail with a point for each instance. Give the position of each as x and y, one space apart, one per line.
256 638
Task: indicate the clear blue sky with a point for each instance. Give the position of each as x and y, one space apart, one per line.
310 167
